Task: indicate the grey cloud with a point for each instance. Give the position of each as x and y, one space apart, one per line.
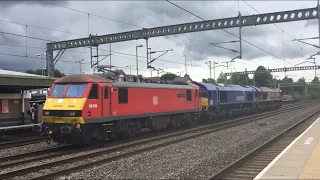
23 63
163 13
311 22
146 13
12 3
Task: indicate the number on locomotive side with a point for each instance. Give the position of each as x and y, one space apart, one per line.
240 98
93 105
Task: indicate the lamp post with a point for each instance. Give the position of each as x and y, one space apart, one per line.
80 62
185 63
130 68
214 69
40 55
137 61
44 71
179 72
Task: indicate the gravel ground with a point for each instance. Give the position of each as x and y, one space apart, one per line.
196 158
179 160
184 159
24 149
44 171
30 148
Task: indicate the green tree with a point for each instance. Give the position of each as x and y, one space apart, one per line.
315 80
208 80
168 77
221 78
275 82
300 89
56 73
288 89
140 77
262 79
239 79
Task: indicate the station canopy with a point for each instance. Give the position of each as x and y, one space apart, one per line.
14 82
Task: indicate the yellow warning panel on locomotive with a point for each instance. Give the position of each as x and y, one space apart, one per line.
64 103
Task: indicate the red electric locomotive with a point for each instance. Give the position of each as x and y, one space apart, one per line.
91 106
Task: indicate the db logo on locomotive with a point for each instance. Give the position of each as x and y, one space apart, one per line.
155 100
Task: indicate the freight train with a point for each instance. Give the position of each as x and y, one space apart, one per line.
80 108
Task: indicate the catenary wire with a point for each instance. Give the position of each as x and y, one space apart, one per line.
15 55
94 15
230 33
282 33
127 54
68 32
277 27
82 34
86 35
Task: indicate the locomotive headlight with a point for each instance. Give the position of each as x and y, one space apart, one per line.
46 113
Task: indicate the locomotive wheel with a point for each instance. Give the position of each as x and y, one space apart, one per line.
48 140
3 137
87 139
132 131
47 137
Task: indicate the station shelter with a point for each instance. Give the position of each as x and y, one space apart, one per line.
15 95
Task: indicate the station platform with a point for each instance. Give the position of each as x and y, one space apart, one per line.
300 160
9 128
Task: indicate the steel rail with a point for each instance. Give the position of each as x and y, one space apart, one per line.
199 132
20 142
249 165
47 153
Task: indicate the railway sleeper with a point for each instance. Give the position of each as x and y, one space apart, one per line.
265 159
253 169
238 176
270 154
244 172
258 161
266 155
230 178
255 164
249 166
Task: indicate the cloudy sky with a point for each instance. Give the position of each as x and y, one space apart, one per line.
56 21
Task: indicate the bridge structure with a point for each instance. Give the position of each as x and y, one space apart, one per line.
284 69
307 84
147 33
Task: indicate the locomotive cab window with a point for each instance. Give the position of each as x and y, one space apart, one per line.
76 90
123 95
93 92
188 95
58 90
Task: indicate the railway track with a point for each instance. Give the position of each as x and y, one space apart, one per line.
48 152
21 142
135 147
250 165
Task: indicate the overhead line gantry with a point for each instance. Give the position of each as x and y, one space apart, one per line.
146 33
